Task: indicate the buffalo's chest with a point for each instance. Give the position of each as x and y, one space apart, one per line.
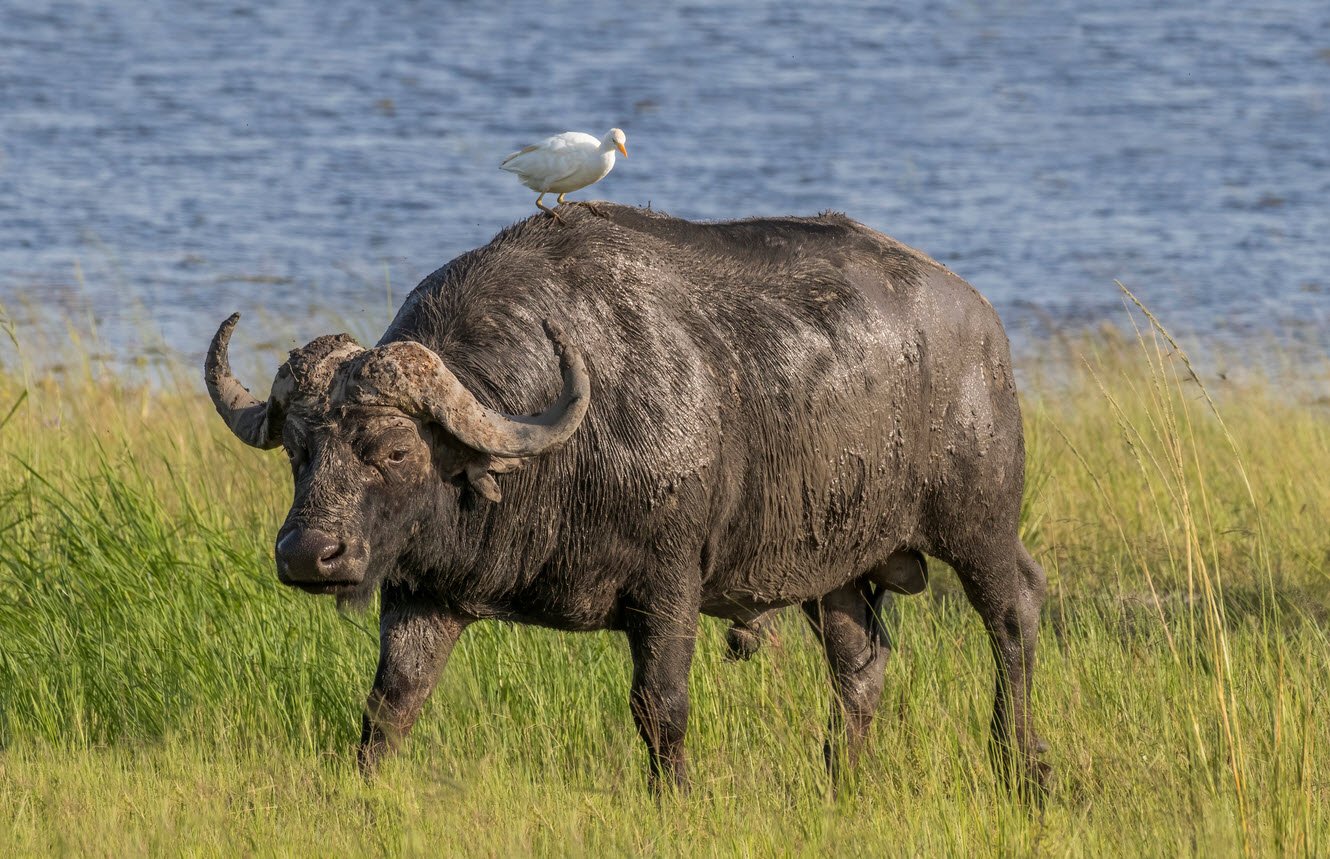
583 609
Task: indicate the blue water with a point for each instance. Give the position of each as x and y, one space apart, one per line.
162 164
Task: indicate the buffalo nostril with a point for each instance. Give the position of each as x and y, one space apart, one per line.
308 554
329 558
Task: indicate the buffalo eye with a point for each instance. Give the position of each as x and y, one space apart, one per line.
397 455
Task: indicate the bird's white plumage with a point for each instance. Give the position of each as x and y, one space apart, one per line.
566 162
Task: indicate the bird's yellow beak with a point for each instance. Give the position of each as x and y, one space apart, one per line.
623 149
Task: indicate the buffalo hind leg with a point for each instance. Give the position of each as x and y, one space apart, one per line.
847 623
662 648
415 639
1008 593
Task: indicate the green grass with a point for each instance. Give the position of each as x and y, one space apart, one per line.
160 691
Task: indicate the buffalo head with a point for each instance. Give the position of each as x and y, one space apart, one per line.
379 440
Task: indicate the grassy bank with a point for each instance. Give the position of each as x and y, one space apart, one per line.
160 690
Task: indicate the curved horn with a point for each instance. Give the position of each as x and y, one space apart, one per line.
418 382
246 416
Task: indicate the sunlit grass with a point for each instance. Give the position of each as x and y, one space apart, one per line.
159 690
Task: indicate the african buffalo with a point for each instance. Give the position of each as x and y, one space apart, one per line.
746 415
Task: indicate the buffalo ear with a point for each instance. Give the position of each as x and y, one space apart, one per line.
480 474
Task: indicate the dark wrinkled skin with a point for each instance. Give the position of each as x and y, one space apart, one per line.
783 411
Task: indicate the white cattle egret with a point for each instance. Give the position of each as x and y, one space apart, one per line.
565 162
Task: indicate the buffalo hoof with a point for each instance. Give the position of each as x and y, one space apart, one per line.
367 761
1028 777
1035 784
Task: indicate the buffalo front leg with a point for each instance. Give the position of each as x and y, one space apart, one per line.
662 649
847 623
415 639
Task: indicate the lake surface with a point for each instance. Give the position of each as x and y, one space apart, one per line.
162 164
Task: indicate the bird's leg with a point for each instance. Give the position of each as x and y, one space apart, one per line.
591 207
546 209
